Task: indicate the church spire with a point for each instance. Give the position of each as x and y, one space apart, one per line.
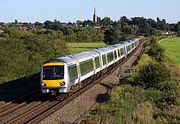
94 16
94 10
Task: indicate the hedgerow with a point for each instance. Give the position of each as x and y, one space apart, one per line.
155 51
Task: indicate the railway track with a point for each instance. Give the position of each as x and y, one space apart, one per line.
43 110
18 103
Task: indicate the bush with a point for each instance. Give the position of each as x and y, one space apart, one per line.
169 86
154 75
155 51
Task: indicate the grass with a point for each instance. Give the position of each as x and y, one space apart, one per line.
2 38
172 49
80 47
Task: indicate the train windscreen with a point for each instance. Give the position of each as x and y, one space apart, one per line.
53 72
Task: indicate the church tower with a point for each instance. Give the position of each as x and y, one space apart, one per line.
94 16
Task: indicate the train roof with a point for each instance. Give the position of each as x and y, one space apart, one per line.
129 41
104 49
74 57
95 52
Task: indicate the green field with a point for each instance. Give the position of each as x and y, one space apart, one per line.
172 49
79 47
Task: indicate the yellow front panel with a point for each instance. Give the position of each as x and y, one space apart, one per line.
52 83
54 64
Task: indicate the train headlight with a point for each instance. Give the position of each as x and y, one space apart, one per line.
62 84
43 84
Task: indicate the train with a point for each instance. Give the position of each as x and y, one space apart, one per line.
66 74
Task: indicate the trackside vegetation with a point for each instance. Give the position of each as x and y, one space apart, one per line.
148 96
155 51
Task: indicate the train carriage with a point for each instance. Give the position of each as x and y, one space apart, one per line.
74 69
60 75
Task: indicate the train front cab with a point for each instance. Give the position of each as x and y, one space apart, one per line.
52 77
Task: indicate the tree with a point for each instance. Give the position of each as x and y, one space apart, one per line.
83 35
125 28
111 36
134 30
124 19
177 28
84 23
154 75
47 23
56 25
152 22
16 21
67 31
117 26
106 21
79 23
153 31
38 24
90 23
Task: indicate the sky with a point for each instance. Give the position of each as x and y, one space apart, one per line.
73 10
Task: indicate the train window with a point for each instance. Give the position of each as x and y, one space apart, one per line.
53 72
122 51
129 47
115 54
104 59
110 56
97 62
73 72
86 66
119 52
